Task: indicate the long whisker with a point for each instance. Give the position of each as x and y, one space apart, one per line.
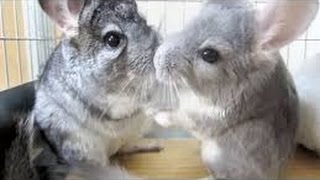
126 84
177 90
144 67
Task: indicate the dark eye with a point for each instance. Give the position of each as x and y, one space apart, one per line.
113 39
210 55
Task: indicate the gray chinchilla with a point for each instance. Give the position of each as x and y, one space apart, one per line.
223 79
91 94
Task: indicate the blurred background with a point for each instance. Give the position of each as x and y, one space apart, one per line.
27 36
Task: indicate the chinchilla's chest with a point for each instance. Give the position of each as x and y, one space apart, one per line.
114 133
112 116
122 118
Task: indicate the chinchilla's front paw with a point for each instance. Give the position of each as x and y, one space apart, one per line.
164 119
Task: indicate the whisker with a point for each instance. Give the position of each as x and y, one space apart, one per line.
126 84
144 67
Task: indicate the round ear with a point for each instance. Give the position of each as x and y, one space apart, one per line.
64 12
75 6
225 2
282 21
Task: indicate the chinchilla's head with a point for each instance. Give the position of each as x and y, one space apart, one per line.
107 44
228 43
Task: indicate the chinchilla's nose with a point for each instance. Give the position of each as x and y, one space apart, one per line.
165 61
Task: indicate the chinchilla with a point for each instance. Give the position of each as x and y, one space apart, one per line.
223 79
307 79
91 95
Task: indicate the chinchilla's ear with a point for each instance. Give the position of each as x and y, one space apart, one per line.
282 21
224 2
64 12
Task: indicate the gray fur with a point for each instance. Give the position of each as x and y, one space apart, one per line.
90 97
243 107
19 156
31 157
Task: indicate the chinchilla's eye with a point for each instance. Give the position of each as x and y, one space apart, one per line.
210 55
113 39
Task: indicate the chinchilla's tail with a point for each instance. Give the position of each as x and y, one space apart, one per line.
26 161
18 159
30 157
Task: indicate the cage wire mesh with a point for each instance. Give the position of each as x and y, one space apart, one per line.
27 36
